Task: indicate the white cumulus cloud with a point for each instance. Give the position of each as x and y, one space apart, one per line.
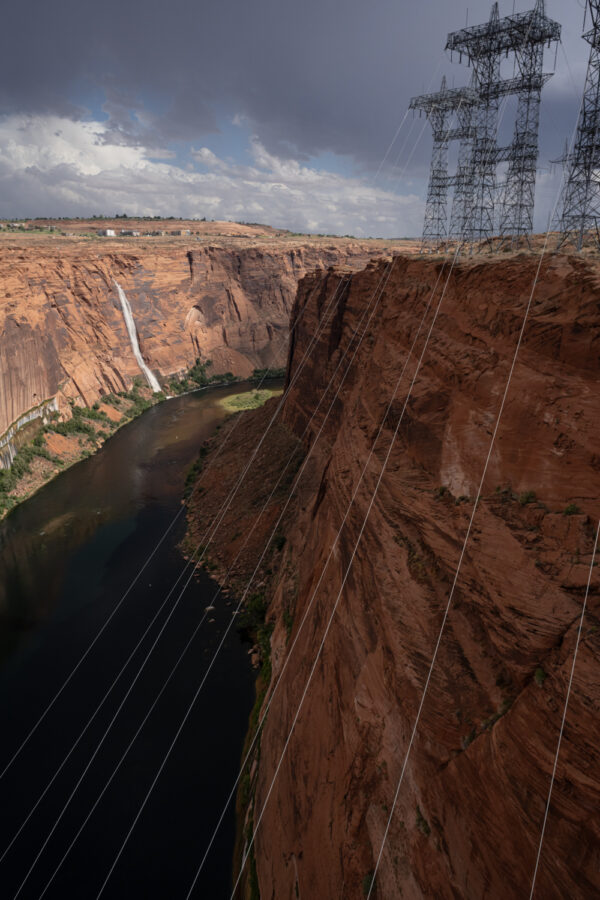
51 166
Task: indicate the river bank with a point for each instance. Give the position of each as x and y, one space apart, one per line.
48 449
68 556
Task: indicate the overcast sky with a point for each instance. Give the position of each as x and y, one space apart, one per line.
265 111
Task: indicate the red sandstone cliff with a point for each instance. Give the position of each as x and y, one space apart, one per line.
470 810
62 330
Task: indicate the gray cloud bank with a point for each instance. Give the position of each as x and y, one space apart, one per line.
321 76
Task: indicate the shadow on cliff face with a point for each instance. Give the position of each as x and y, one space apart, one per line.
470 810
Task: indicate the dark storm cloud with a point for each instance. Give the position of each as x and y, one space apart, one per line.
311 76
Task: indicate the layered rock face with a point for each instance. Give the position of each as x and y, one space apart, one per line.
62 330
470 808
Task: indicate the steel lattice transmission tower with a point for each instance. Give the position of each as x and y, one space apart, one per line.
474 217
522 36
519 193
462 201
440 108
480 44
581 194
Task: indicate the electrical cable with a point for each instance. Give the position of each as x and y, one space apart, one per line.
297 634
123 668
296 374
475 506
250 843
185 717
103 627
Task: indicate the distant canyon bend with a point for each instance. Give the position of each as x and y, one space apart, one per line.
226 298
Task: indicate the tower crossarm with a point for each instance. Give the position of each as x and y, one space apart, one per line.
521 85
459 134
593 35
506 35
507 154
445 101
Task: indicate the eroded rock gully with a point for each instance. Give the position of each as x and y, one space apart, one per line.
470 809
62 330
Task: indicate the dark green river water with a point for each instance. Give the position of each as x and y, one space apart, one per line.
67 557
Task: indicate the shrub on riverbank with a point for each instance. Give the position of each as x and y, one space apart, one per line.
21 466
193 473
259 375
198 377
87 428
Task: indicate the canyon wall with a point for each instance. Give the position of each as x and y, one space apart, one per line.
62 332
470 808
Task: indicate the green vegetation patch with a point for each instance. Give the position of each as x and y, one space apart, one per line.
469 738
422 823
193 473
288 621
249 399
259 375
527 497
89 424
198 377
21 465
368 882
92 425
253 622
254 612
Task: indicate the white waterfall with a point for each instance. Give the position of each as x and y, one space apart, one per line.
133 337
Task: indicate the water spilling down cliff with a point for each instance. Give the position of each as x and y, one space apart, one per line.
469 812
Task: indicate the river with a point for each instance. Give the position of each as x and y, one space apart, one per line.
67 556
